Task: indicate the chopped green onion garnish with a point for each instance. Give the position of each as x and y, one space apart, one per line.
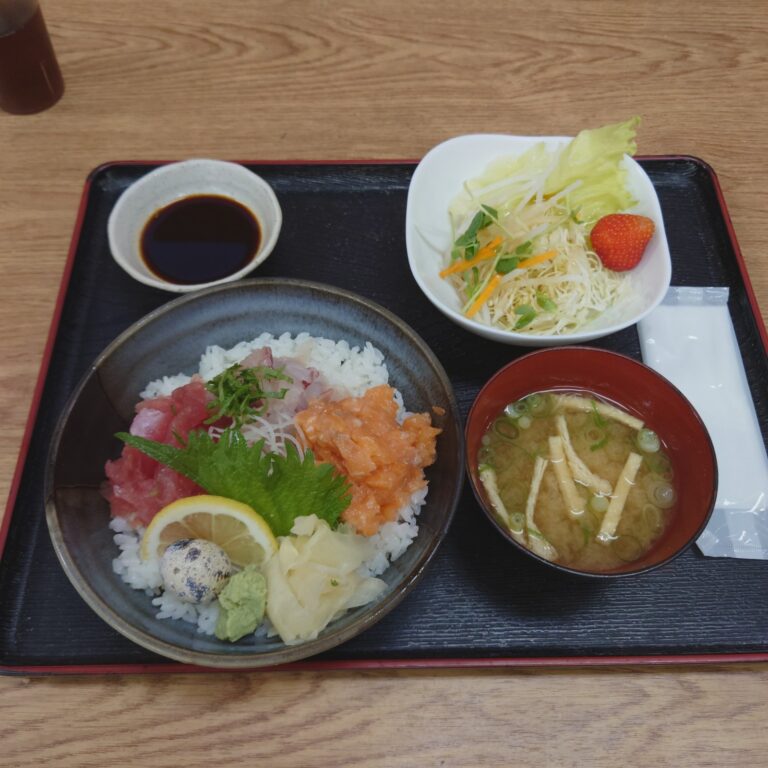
505 427
627 548
597 437
534 401
660 492
517 522
648 441
596 417
539 404
659 463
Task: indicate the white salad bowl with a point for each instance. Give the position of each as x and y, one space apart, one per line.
439 179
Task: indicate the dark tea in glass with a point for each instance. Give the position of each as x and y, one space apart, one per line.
30 78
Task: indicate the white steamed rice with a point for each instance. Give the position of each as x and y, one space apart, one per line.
353 370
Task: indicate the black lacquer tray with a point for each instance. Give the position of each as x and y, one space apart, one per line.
480 603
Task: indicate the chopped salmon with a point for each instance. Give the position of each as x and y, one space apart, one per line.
382 459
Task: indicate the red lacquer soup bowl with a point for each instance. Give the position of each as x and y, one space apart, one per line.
638 390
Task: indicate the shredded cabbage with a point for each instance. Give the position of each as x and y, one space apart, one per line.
528 205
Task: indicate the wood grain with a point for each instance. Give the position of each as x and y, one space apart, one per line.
250 79
567 719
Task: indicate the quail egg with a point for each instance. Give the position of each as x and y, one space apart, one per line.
195 569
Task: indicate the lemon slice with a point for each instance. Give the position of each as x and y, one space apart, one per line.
238 529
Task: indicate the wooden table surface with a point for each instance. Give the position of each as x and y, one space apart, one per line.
251 79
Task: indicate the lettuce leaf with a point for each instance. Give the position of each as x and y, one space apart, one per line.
594 158
592 161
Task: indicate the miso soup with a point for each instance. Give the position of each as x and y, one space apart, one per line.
577 480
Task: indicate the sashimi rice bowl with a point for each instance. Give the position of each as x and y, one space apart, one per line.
265 494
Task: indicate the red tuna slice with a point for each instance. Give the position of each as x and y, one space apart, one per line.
137 494
152 423
138 487
189 408
161 418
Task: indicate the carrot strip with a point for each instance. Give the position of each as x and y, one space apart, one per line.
537 259
484 295
486 252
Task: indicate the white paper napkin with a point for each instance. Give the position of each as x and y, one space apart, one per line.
689 339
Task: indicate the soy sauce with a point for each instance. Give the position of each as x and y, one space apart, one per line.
199 239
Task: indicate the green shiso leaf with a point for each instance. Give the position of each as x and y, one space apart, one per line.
279 488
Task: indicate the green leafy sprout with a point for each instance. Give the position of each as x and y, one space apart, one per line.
466 245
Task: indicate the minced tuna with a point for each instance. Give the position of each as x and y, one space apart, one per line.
138 487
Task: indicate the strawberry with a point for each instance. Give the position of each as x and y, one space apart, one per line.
620 239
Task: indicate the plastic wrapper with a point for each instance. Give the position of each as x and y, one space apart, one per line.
690 340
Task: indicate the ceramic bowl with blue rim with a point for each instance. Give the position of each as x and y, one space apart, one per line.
170 340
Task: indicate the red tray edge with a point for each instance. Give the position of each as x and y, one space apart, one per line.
44 365
364 664
371 665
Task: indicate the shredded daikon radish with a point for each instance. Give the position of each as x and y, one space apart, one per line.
276 433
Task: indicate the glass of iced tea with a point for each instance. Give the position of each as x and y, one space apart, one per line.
30 78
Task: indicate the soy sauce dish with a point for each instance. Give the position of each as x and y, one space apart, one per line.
193 224
590 462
